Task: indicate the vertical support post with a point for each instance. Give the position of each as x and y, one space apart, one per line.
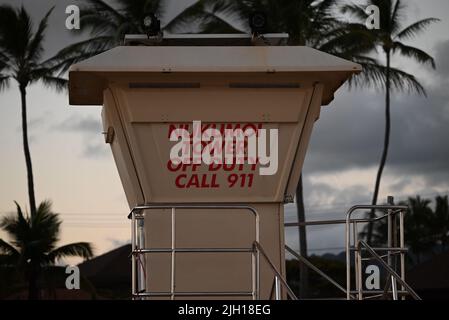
277 288
360 274
141 245
133 256
357 264
257 257
254 272
391 244
348 255
173 247
389 233
402 246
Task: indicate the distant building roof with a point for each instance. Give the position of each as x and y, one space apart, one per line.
110 269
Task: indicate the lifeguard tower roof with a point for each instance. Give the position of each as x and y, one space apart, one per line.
132 60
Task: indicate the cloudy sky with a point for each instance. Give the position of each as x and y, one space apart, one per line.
75 169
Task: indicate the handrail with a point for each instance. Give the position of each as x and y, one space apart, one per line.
193 206
389 269
260 249
317 270
396 208
134 216
337 221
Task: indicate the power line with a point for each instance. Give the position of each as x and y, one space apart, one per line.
94 227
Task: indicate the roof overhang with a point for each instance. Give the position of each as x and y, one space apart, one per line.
89 78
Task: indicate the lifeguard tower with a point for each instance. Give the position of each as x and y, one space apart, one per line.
208 231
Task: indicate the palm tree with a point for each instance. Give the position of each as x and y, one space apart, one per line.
21 51
33 246
441 221
419 228
108 24
389 38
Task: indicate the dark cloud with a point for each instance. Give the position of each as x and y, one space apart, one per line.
350 132
442 51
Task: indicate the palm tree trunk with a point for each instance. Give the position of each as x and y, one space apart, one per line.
386 145
304 272
26 150
33 289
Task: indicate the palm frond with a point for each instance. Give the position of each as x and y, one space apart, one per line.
354 10
347 40
4 59
79 51
415 28
78 249
57 83
16 226
8 249
201 13
212 23
185 18
45 228
13 32
405 82
98 22
4 82
35 48
102 6
415 53
396 16
374 76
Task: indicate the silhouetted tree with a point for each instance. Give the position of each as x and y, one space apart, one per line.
33 244
389 38
424 228
108 22
21 51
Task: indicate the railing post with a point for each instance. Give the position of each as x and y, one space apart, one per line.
348 252
392 244
141 258
173 247
402 246
133 256
277 288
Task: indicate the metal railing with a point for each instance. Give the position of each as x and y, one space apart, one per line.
139 287
394 215
309 264
395 246
391 271
278 278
